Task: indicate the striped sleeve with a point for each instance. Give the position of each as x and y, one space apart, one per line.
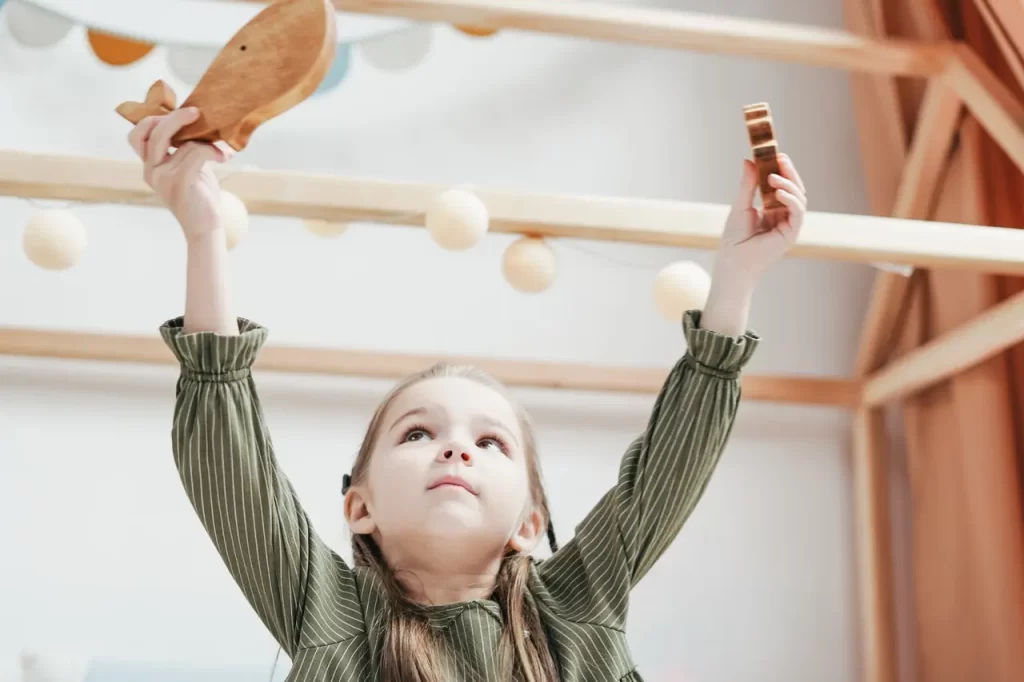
301 590
662 475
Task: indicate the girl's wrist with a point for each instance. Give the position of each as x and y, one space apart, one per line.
206 240
728 305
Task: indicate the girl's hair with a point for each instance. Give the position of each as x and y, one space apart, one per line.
413 651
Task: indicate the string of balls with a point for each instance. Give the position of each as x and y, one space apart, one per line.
456 220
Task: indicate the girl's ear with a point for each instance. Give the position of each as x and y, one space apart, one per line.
528 534
359 511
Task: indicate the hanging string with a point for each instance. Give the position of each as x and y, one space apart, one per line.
49 204
225 172
573 246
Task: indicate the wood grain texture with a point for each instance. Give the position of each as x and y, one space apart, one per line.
274 62
765 150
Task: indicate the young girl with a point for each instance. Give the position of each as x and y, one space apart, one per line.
445 500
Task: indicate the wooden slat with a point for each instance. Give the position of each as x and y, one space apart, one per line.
938 120
830 236
987 334
1005 21
882 131
902 182
655 27
873 532
40 343
990 101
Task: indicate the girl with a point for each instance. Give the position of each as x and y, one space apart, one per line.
445 500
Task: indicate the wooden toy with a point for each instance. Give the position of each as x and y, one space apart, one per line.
271 64
765 148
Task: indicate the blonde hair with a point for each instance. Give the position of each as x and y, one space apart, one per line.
413 651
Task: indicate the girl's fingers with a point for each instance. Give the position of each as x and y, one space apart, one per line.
159 144
182 166
789 171
787 185
180 156
194 155
793 203
225 150
139 135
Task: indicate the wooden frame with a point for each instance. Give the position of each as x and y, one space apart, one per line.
958 79
388 365
832 236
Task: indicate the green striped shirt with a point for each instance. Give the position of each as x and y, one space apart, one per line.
321 610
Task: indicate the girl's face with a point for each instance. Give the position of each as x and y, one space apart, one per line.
449 463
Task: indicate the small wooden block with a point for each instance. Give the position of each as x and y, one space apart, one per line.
765 149
271 64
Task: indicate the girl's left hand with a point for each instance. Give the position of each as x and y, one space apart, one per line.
754 240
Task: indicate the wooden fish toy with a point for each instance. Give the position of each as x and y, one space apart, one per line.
274 62
765 149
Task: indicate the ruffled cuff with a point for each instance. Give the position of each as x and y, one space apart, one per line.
211 354
714 353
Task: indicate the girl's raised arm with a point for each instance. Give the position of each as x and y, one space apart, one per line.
301 590
666 469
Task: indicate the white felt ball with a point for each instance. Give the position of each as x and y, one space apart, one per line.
325 228
235 218
54 239
457 219
529 265
680 287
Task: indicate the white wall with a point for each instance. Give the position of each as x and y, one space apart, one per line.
101 552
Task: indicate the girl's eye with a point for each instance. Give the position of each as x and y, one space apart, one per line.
414 434
492 443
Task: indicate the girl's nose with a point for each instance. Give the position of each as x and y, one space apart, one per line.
449 454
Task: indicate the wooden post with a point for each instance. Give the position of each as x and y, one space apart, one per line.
874 547
937 123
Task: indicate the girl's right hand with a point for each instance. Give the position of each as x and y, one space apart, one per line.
182 179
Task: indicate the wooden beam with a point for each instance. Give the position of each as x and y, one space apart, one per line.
990 101
830 236
878 114
40 343
937 123
1005 21
973 342
911 195
873 530
653 27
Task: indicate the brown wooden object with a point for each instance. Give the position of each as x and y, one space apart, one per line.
765 148
273 63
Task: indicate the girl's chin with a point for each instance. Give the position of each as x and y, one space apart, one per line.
459 519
